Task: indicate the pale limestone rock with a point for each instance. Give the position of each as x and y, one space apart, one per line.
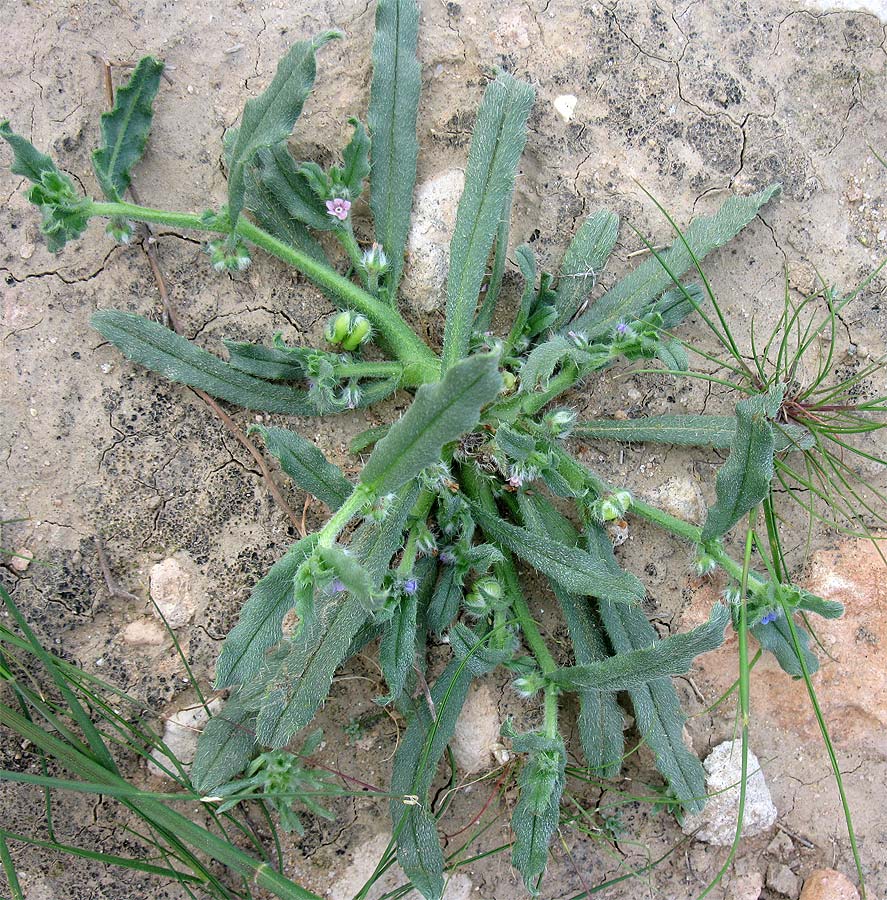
827 884
565 106
180 734
746 887
175 588
781 879
716 824
22 559
682 497
428 244
475 741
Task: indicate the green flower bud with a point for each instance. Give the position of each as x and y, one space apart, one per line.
120 229
348 329
559 422
374 260
528 685
229 254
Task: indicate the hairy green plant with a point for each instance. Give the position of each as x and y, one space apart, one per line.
426 540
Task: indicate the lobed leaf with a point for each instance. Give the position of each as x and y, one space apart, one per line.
689 431
394 103
584 261
260 625
535 817
306 465
125 128
633 293
575 570
744 479
673 655
176 358
496 146
269 118
440 413
27 160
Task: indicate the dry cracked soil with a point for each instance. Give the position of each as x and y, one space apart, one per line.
685 100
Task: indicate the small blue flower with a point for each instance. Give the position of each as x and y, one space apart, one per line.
337 586
410 586
621 328
769 617
447 558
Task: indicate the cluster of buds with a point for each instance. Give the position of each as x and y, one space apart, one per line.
348 330
528 685
559 423
486 596
374 261
229 254
608 509
380 508
703 562
120 229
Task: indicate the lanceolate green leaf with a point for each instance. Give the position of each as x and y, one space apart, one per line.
356 579
260 625
269 118
689 431
125 128
573 569
227 742
744 479
356 158
279 178
306 465
303 680
536 815
600 717
584 261
394 102
629 296
267 363
496 146
446 599
176 358
657 708
440 413
633 668
776 637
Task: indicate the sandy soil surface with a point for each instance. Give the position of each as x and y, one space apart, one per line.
688 100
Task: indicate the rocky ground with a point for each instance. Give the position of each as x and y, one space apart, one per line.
685 100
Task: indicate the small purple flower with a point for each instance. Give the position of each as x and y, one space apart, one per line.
621 328
338 208
410 586
447 558
337 586
769 617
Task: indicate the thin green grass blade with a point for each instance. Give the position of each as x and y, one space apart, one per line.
269 118
496 146
394 103
634 292
125 128
168 354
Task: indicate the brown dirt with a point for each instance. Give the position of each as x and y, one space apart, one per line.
689 100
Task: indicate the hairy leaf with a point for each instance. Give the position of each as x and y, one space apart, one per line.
446 599
368 438
540 365
535 817
676 304
777 638
394 102
176 358
397 650
260 624
573 569
632 668
600 717
526 262
356 157
629 296
306 465
280 176
689 431
356 579
227 743
374 543
657 708
27 160
267 363
584 261
472 646
744 479
302 682
125 128
269 118
496 146
673 355
828 609
440 413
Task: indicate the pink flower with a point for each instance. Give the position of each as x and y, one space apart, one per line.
516 480
338 208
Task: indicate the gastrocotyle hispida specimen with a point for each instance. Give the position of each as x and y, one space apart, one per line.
426 540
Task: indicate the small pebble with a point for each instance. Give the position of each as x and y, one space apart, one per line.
827 884
26 251
21 560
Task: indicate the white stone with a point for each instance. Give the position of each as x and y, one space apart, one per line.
22 559
180 734
175 586
716 824
475 743
565 106
682 497
428 244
